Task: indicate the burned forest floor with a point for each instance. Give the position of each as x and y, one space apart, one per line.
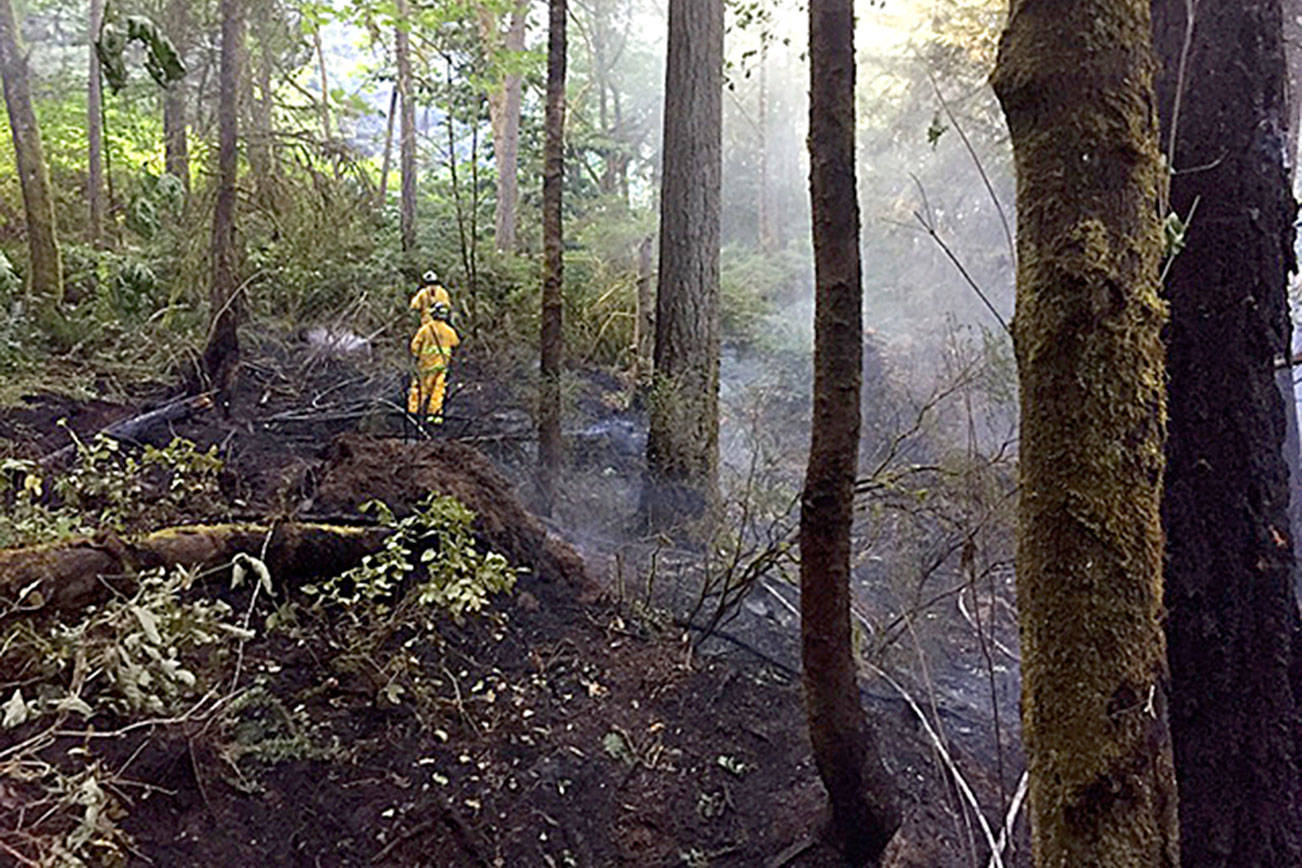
572 718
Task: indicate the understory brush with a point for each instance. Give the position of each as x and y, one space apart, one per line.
169 658
109 487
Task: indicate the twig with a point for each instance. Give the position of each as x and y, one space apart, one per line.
996 859
981 170
931 230
1011 819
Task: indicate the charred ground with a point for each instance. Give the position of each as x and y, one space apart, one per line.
563 726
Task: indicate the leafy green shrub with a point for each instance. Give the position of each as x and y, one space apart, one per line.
126 656
459 578
108 487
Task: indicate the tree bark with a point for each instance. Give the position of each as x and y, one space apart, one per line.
94 128
644 336
504 104
1074 78
222 354
176 146
863 802
683 441
407 129
764 224
551 343
1232 615
388 147
68 576
45 270
1284 377
325 83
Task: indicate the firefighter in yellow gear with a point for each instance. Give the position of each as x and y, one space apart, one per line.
432 346
431 292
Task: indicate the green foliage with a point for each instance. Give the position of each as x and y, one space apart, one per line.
108 487
435 541
162 61
128 656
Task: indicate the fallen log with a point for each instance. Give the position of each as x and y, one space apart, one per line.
137 426
67 576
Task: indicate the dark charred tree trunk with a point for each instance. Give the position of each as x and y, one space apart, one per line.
45 271
221 357
94 126
1074 78
551 343
683 441
175 139
407 130
1232 613
1284 377
864 810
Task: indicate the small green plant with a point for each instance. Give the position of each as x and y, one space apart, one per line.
108 487
129 656
435 539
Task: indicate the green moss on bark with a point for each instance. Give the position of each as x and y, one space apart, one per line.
1075 82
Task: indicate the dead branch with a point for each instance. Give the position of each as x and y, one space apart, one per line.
137 426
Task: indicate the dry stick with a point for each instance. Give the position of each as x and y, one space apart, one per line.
940 734
1011 818
967 616
996 859
990 673
1190 10
981 170
931 230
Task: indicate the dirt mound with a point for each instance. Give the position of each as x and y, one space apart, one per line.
401 473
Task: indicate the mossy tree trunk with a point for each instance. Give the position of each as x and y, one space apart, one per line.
222 355
683 440
551 340
45 270
406 129
1074 78
864 810
1232 617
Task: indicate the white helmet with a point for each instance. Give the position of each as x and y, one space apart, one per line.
429 277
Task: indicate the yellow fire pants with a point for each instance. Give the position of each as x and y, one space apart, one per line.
428 387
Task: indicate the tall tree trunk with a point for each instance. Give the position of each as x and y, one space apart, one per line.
683 442
222 355
266 116
94 128
176 145
1231 605
864 810
407 129
257 109
504 103
45 272
645 324
1074 78
764 223
388 147
325 83
551 344
1284 377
